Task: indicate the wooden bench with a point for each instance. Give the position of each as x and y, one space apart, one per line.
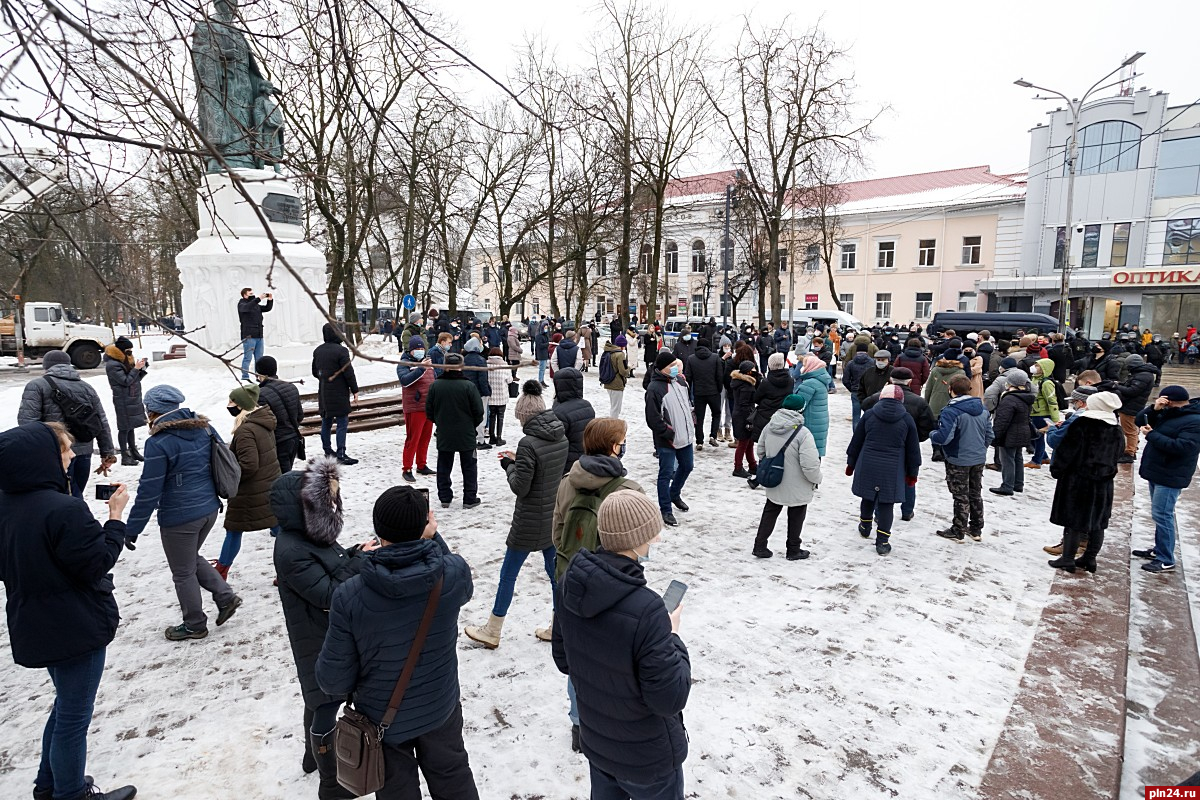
176 351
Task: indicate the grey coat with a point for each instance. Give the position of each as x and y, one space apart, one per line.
126 384
534 477
802 466
37 405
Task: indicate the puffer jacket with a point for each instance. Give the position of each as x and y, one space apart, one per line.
254 445
126 383
883 452
937 390
1010 423
54 556
1172 447
177 475
37 405
283 399
334 373
631 674
414 382
621 370
703 372
1135 392
534 476
310 564
964 432
685 348
872 380
1045 397
741 389
913 359
454 405
854 370
802 464
573 410
498 381
814 388
768 398
373 619
473 357
567 355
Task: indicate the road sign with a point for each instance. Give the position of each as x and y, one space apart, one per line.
409 302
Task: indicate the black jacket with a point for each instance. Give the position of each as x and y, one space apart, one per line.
250 316
1010 423
768 398
1084 464
534 476
1063 358
684 349
741 390
284 400
574 411
631 674
54 556
454 405
1172 448
873 380
1136 391
703 372
917 408
333 359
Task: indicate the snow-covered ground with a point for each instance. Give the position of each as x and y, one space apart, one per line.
846 675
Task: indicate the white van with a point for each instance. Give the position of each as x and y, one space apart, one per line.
827 316
674 325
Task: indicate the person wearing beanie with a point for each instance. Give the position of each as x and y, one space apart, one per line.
414 329
669 417
456 409
253 443
620 646
541 350
918 409
615 373
125 376
743 385
702 370
374 617
473 356
415 374
1012 429
769 395
789 437
336 384
1171 427
813 384
1134 394
855 368
283 398
884 456
964 433
573 409
534 473
937 388
88 430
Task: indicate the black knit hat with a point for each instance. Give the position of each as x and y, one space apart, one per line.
664 359
123 344
401 514
266 366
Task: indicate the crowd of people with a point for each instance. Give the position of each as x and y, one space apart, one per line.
359 617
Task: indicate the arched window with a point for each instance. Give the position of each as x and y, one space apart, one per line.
672 258
698 261
1110 146
644 258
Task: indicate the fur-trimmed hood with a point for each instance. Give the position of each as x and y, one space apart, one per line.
181 419
117 354
309 503
738 375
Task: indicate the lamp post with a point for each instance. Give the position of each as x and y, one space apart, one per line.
726 257
1076 108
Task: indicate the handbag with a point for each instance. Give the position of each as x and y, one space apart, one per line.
770 470
514 389
358 742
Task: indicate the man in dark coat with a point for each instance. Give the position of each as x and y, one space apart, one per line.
764 345
782 338
877 377
671 420
284 400
541 350
373 619
1134 394
1172 430
335 384
1013 434
573 409
54 562
703 371
852 374
456 409
250 318
1062 357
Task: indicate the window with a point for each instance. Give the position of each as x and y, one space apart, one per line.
41 315
883 306
602 263
487 302
644 259
1178 168
726 308
600 303
698 256
1183 242
966 301
887 255
1110 146
672 258
849 256
847 303
697 305
1060 248
1120 245
812 258
972 247
464 273
537 308
781 258
811 303
1091 246
926 252
516 273
924 306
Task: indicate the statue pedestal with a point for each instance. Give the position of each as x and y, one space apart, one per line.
233 251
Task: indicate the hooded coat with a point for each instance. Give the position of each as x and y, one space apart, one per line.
334 373
1135 392
125 380
573 410
254 445
310 564
1010 423
768 398
964 432
913 359
632 675
456 409
621 370
703 372
534 476
801 465
814 388
373 619
54 556
515 351
37 405
1172 448
883 452
854 369
177 475
473 357
741 390
1084 463
589 474
1045 396
937 390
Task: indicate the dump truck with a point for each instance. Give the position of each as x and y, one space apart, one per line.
42 327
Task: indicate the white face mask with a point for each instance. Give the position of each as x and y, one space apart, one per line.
418 354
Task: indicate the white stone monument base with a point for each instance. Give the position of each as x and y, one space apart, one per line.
233 251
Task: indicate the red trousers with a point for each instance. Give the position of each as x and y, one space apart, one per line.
745 449
418 429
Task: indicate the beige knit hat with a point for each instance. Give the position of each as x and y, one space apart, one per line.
627 520
530 404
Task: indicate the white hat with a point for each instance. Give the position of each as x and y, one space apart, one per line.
972 336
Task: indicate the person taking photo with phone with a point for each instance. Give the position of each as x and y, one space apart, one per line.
250 318
125 374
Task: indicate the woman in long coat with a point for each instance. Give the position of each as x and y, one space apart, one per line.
253 444
884 455
125 379
1085 463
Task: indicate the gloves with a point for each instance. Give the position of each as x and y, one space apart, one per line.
131 542
911 480
849 470
506 462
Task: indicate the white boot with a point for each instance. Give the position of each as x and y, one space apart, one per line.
546 633
488 635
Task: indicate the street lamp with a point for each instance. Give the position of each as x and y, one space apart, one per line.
1075 107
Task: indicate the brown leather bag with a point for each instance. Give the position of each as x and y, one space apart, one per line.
359 742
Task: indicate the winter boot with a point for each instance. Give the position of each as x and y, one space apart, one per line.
882 542
1095 541
712 441
326 758
309 763
738 472
547 633
575 748
1054 549
48 794
1066 561
488 635
222 569
864 527
128 460
133 452
729 435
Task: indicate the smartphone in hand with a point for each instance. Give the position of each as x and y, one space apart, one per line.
674 595
105 491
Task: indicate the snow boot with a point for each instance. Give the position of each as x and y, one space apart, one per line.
882 542
575 748
134 454
128 460
48 794
547 633
326 758
729 434
712 441
864 527
487 635
222 569
309 762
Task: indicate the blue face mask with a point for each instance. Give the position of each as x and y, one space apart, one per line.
621 454
674 372
645 558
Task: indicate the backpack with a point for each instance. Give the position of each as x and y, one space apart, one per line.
580 524
80 416
1064 400
226 471
607 373
770 470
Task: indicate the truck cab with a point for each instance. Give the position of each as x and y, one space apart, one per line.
47 328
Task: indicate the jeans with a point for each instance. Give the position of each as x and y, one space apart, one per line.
191 572
1012 469
326 426
1162 511
442 758
513 561
670 478
705 403
542 370
910 500
615 398
608 787
64 739
855 410
252 349
727 408
1039 444
78 472
470 474
233 545
418 429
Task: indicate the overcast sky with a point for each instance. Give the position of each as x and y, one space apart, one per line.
945 70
